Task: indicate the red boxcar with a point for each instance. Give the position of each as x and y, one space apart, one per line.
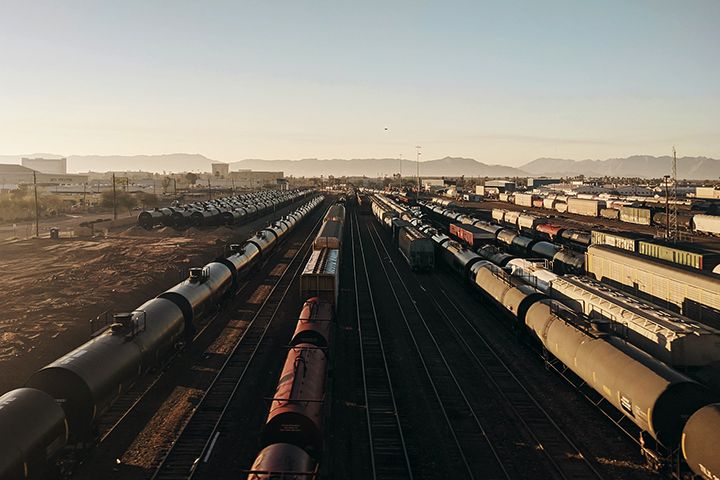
471 235
550 230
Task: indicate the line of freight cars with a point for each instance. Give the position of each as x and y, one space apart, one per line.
650 394
624 211
56 413
661 273
292 437
564 260
643 244
415 246
674 339
321 275
234 210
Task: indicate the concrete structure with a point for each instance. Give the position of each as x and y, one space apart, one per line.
541 182
707 192
56 166
250 179
17 174
220 169
501 185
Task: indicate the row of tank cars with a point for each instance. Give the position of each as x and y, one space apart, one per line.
292 437
691 216
229 211
55 415
679 276
566 256
636 358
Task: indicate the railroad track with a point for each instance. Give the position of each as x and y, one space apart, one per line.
565 456
125 405
197 438
388 452
560 451
475 451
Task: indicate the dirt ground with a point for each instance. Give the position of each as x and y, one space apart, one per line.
50 289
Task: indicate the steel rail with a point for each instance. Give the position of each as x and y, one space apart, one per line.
384 429
479 435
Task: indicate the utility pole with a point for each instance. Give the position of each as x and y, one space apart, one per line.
232 181
84 196
401 170
417 173
175 186
37 206
667 207
209 190
673 220
114 198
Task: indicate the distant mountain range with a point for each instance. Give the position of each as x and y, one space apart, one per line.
699 168
373 167
695 168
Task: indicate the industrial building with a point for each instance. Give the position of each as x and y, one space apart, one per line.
707 192
541 182
501 185
250 179
20 175
56 166
221 170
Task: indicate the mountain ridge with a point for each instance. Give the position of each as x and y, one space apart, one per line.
645 166
696 168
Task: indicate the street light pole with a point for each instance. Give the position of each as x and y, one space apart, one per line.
417 173
114 198
667 207
37 207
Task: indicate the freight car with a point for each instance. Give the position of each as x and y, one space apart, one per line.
329 236
33 430
699 445
83 384
234 210
667 336
709 224
417 248
296 412
293 432
471 235
321 275
695 294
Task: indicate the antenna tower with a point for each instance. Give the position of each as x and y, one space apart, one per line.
673 200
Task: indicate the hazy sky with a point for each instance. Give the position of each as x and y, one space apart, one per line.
502 82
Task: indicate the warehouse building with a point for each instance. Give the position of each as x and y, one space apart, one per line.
255 180
541 182
20 175
221 170
56 166
707 192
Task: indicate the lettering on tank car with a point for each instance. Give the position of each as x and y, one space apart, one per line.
707 473
607 390
290 427
640 413
626 404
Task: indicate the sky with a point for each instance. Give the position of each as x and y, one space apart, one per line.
502 82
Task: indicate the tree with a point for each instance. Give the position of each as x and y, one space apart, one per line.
191 178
